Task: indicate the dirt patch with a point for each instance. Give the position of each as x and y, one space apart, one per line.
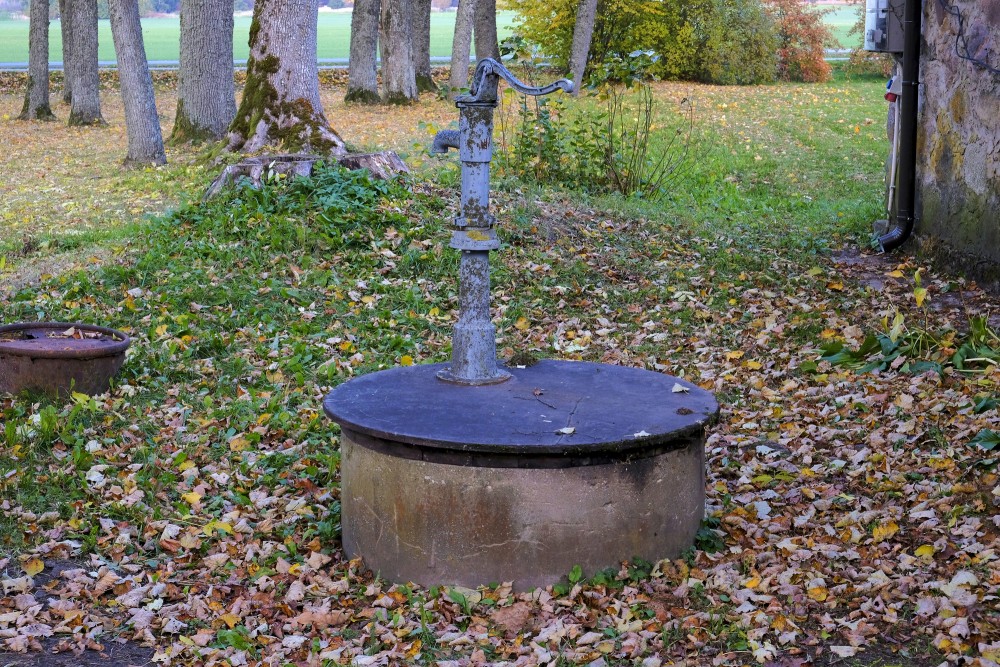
57 653
954 301
66 651
882 655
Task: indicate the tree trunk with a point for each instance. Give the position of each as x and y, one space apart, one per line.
206 96
399 81
280 104
461 45
583 31
485 22
67 45
85 81
145 142
36 97
422 45
362 70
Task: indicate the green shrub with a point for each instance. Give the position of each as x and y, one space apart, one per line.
714 41
611 149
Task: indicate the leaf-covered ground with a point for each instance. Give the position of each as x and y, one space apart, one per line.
194 509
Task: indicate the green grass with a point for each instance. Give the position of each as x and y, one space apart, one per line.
161 37
840 20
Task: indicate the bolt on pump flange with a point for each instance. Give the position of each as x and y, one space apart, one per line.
474 350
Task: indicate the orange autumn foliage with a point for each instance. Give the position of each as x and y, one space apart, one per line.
803 37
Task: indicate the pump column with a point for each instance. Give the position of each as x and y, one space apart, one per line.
474 351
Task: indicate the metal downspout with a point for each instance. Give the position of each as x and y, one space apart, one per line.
906 193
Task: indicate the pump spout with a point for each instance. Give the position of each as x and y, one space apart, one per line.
444 140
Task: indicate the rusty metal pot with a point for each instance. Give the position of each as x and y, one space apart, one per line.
57 358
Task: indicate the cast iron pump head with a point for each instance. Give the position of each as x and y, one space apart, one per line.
473 348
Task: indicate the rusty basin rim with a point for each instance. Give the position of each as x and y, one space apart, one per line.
112 343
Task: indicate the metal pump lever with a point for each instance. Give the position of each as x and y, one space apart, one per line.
473 347
487 78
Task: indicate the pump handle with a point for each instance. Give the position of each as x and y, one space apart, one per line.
487 77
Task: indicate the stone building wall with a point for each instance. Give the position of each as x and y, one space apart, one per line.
958 146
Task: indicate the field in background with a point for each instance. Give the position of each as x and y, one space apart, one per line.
840 19
161 37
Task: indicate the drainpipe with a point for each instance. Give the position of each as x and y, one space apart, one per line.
906 193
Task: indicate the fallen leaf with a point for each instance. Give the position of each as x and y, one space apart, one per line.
33 566
884 531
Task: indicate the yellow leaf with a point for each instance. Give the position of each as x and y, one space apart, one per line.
895 274
238 444
213 526
295 568
406 360
835 286
920 293
187 465
367 299
434 312
752 582
264 418
230 619
925 551
191 497
187 641
814 271
734 355
884 531
346 346
161 330
33 566
521 324
753 365
818 593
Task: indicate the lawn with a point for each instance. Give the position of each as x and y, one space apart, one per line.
840 19
193 512
161 37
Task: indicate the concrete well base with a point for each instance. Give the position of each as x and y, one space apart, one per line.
566 463
436 523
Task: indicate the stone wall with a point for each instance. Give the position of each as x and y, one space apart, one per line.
958 147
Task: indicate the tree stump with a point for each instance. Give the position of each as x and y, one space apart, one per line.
258 169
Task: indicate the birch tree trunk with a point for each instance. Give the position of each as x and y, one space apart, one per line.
583 32
399 81
67 46
362 69
485 23
145 141
280 104
422 45
206 95
85 81
36 97
461 45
